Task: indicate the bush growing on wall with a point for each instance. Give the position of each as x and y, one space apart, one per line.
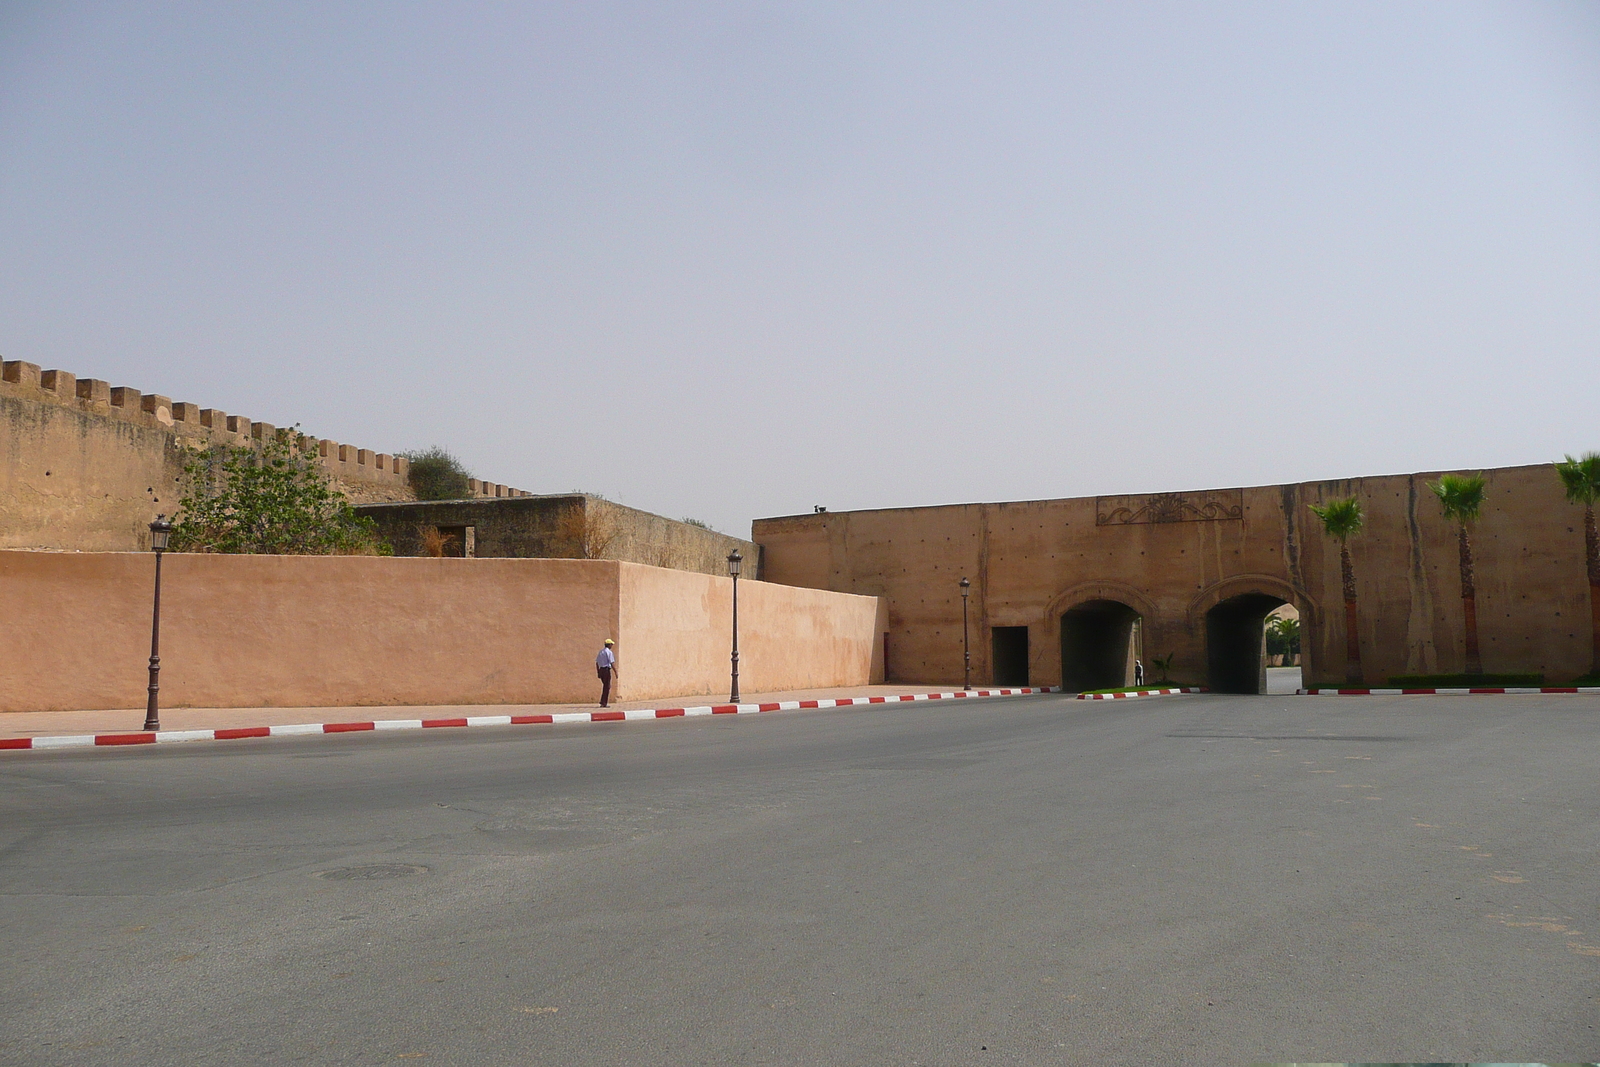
435 474
277 501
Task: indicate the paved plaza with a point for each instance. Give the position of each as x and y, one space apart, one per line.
1017 880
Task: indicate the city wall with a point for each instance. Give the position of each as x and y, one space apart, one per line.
565 526
293 631
85 465
1076 572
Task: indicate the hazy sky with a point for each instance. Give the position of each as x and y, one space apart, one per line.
734 260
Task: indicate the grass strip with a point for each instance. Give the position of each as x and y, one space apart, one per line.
1135 688
1465 681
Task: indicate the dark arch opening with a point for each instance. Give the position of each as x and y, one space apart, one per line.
1236 643
1096 640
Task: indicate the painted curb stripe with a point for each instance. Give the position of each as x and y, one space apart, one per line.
1143 693
124 739
238 733
248 731
1486 691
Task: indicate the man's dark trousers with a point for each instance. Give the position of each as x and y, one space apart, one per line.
605 685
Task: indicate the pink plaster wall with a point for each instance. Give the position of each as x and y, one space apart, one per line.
676 635
288 631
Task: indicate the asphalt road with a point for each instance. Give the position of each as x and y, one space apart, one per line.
1016 881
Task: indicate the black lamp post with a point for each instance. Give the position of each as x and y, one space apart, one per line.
734 560
966 648
160 531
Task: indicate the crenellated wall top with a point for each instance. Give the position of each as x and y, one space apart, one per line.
194 425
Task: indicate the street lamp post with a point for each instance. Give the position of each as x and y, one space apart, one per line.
966 648
734 561
160 531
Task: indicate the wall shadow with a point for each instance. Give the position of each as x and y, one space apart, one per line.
1010 650
1095 638
1236 643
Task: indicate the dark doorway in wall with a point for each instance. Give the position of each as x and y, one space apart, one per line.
459 541
1236 643
1095 640
1010 655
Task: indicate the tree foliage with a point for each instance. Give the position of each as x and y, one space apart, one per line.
1283 636
1581 478
1460 495
435 474
276 501
1340 518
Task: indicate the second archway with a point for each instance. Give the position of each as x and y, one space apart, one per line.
1099 643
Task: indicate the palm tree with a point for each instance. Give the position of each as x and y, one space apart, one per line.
1582 480
1340 520
1461 497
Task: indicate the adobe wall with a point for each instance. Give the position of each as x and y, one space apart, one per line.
85 465
289 631
1172 557
565 526
789 638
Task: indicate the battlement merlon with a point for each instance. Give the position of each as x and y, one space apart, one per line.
196 426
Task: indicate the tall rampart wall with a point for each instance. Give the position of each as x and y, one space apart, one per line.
1170 559
322 631
85 465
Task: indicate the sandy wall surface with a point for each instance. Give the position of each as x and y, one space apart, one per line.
676 634
319 631
85 466
1032 561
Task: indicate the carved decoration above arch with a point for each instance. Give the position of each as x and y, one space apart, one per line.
1240 584
1214 505
1084 592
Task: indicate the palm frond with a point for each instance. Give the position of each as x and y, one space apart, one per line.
1340 518
1581 478
1460 495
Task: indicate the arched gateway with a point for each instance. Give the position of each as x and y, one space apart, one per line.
1232 614
1099 624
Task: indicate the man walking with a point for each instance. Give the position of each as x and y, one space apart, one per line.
605 665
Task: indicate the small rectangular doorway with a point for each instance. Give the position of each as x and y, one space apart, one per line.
1010 655
459 541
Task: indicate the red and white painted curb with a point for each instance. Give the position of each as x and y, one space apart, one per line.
1480 691
151 737
1144 693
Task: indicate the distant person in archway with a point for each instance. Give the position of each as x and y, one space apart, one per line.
605 665
1138 672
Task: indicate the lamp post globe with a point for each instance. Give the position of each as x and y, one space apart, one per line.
735 562
966 647
160 536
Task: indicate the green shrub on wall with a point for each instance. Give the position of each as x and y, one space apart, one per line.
435 474
277 501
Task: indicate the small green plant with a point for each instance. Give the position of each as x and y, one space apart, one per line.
276 501
435 474
1162 665
696 522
